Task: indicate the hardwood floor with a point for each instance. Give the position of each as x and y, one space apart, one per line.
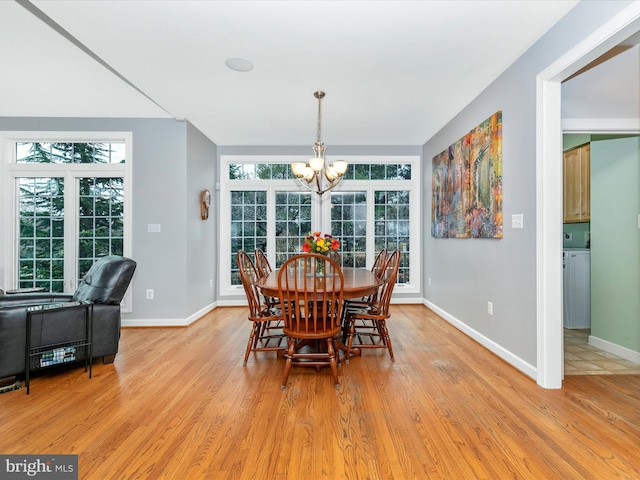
178 404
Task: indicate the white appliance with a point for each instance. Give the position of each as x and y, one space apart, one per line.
576 288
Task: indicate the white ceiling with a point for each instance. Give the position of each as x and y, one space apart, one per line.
394 72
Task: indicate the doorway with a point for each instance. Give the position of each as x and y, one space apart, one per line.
549 187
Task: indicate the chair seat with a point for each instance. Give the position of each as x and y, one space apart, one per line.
313 336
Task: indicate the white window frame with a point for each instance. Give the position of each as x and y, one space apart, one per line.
10 171
320 208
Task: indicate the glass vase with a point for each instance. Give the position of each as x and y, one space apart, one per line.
320 263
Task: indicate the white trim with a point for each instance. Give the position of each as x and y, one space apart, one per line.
596 125
548 229
169 322
66 136
619 350
549 187
486 342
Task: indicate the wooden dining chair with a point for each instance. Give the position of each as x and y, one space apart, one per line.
267 322
379 262
262 263
336 257
358 304
311 304
263 268
367 327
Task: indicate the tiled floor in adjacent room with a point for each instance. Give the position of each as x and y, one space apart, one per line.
580 358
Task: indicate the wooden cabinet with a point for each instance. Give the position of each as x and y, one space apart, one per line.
576 191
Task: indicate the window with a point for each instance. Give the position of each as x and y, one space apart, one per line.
68 205
374 207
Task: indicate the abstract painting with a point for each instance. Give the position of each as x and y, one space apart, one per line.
451 193
467 185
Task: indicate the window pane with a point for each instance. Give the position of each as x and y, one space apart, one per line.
117 151
39 240
378 172
349 218
69 152
260 171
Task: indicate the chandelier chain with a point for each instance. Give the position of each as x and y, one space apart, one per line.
319 119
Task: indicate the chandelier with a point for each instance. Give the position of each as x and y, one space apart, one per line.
312 175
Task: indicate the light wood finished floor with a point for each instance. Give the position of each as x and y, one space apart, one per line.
177 404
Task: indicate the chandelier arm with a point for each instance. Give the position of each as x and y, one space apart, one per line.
305 184
318 190
318 177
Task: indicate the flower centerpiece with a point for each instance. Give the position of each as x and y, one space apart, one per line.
322 244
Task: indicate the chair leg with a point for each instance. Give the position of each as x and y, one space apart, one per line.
332 362
352 330
386 338
253 338
287 367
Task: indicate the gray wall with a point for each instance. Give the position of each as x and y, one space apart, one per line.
171 162
467 273
201 235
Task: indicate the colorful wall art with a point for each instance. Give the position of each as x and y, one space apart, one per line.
467 185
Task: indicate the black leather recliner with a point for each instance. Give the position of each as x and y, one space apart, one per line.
104 285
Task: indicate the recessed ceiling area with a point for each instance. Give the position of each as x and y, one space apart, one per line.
394 72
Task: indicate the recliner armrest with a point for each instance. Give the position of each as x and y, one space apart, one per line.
27 299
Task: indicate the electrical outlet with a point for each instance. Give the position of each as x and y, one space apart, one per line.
429 281
211 283
149 293
490 308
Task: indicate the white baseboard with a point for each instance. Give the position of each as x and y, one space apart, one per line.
169 322
489 344
616 349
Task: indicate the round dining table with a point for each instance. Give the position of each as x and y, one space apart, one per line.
358 282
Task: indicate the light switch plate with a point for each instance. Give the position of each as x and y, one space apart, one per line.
517 221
